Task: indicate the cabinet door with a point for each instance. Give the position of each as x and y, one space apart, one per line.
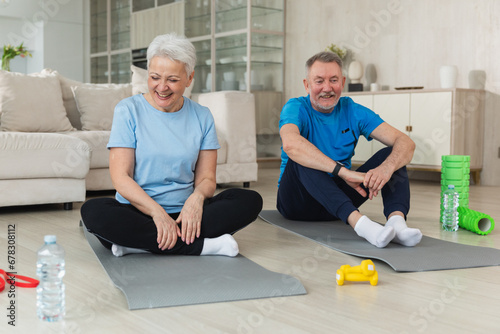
143 28
394 110
170 19
363 150
147 24
430 119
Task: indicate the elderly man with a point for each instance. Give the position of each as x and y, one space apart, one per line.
319 133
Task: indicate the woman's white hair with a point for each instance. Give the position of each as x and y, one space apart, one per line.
176 48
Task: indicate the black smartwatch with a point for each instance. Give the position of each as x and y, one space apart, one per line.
337 168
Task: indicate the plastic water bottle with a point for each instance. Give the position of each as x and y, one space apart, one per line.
450 212
50 300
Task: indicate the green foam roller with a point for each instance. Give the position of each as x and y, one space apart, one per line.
455 158
459 174
455 164
475 221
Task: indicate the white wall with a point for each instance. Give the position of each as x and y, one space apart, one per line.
51 29
407 41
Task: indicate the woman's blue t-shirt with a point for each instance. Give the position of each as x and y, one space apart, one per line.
166 146
336 133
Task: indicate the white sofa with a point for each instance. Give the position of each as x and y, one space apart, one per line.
54 131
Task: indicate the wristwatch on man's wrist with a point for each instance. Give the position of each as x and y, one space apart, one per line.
337 168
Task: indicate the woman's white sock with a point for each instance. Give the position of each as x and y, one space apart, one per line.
118 250
404 235
223 245
375 233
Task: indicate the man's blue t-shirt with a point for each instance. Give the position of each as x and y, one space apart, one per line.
166 147
335 134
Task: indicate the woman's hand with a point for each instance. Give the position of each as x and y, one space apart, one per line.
168 230
190 217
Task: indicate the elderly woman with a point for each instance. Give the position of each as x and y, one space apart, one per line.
163 154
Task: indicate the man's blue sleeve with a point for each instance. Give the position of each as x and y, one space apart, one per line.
291 113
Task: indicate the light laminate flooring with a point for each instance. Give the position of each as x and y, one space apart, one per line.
451 301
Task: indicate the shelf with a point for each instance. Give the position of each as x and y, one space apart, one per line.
258 60
138 5
240 12
110 56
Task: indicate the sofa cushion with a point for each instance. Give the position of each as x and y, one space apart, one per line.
53 155
69 98
32 103
140 82
97 141
96 104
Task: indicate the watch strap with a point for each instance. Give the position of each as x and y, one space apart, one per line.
337 168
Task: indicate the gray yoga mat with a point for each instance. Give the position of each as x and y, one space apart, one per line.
429 254
151 281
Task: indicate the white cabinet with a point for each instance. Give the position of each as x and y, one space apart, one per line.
430 126
440 122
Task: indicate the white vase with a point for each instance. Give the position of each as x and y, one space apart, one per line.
355 71
448 75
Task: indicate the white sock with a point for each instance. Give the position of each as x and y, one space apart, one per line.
223 245
404 235
118 250
375 233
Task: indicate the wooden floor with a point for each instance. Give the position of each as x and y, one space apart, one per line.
452 301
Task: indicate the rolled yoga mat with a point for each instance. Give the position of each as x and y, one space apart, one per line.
429 254
151 280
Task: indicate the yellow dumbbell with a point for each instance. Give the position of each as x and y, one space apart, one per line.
364 272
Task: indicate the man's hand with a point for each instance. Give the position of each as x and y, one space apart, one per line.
353 179
375 179
190 217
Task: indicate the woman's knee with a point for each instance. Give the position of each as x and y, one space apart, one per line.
93 209
245 201
250 199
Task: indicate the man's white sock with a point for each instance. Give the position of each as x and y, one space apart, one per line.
223 245
375 233
118 250
404 235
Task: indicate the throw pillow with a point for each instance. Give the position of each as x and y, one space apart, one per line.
140 82
96 104
32 103
68 98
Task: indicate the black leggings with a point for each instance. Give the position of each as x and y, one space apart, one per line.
116 223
